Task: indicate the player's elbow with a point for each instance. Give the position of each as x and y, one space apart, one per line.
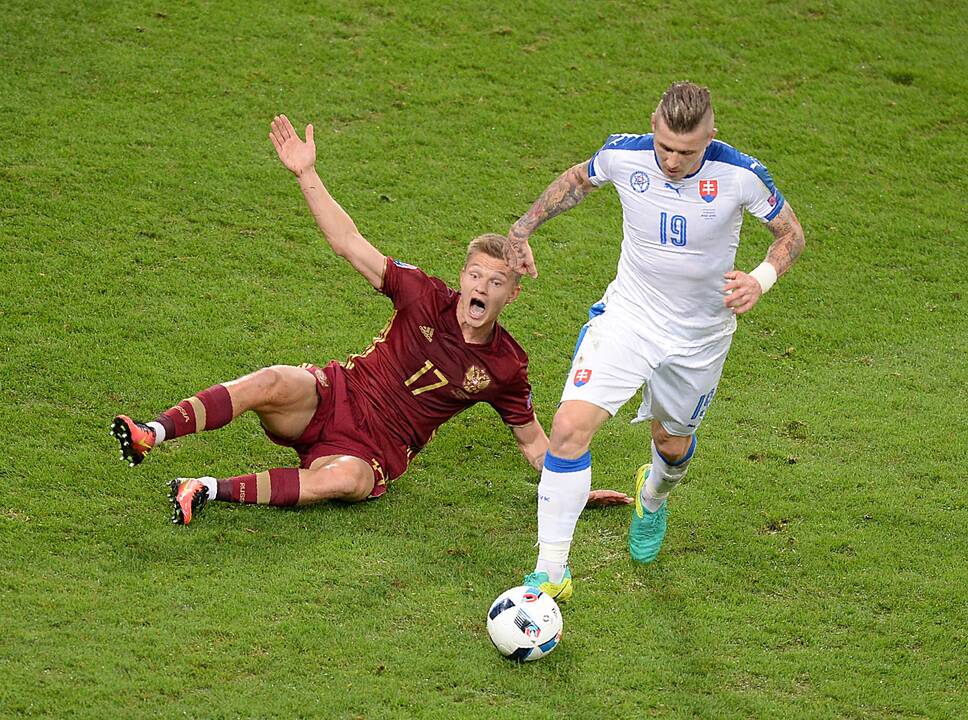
344 244
579 173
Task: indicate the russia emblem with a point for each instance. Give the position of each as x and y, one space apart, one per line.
476 380
708 190
582 377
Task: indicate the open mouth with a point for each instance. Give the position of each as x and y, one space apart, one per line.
476 309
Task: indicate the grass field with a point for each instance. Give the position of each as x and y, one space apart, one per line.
817 558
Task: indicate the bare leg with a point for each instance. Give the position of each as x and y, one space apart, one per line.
671 455
332 477
336 477
573 428
283 396
673 447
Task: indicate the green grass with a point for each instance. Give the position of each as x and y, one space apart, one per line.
152 245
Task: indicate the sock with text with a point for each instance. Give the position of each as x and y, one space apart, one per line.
562 494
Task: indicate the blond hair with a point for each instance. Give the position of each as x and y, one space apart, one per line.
683 106
493 245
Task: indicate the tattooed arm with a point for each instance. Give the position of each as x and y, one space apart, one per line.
743 290
563 194
789 242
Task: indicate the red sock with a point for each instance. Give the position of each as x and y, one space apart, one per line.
209 410
279 486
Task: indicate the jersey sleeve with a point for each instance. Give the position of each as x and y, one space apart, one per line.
599 165
404 283
514 403
760 196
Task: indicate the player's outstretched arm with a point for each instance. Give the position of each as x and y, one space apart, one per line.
563 194
745 289
533 443
338 227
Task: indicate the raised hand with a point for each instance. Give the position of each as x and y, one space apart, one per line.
518 254
295 154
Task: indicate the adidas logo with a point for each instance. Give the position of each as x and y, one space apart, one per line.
428 332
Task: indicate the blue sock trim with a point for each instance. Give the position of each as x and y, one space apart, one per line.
564 465
683 460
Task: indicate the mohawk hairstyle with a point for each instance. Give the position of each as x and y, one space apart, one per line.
683 106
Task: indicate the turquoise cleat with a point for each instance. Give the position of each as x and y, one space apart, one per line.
648 528
560 592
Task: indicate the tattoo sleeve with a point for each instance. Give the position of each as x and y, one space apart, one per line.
563 194
789 240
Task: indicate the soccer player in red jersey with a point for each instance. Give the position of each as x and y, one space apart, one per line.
356 425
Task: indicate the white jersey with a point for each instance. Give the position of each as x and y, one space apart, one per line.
680 237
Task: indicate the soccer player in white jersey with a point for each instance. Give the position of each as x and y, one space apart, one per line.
666 321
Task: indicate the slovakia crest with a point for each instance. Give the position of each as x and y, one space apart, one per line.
582 377
639 181
708 190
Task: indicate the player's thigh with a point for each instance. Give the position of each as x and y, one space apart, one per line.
684 385
289 400
610 364
337 477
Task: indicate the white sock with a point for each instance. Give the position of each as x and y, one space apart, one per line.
562 494
664 476
211 485
159 432
552 559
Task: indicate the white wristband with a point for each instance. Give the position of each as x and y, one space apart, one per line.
765 275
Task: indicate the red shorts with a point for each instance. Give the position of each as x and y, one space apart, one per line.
342 425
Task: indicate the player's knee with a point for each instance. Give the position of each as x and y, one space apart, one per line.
271 386
331 483
569 436
354 487
359 491
672 447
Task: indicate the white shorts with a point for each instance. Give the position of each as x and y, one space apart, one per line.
613 360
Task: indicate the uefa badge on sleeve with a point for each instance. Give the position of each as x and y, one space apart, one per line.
582 377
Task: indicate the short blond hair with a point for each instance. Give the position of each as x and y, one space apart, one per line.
493 245
683 106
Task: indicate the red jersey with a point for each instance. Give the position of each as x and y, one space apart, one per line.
420 372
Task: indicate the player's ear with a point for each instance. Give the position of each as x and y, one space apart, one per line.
653 122
514 294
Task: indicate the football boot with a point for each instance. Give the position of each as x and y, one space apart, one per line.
648 528
560 592
188 496
136 439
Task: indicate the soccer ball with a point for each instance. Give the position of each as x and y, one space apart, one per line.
524 623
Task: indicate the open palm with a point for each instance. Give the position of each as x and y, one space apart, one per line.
295 154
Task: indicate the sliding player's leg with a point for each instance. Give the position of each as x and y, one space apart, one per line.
331 477
284 397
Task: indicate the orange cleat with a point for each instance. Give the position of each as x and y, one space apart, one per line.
188 496
136 439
